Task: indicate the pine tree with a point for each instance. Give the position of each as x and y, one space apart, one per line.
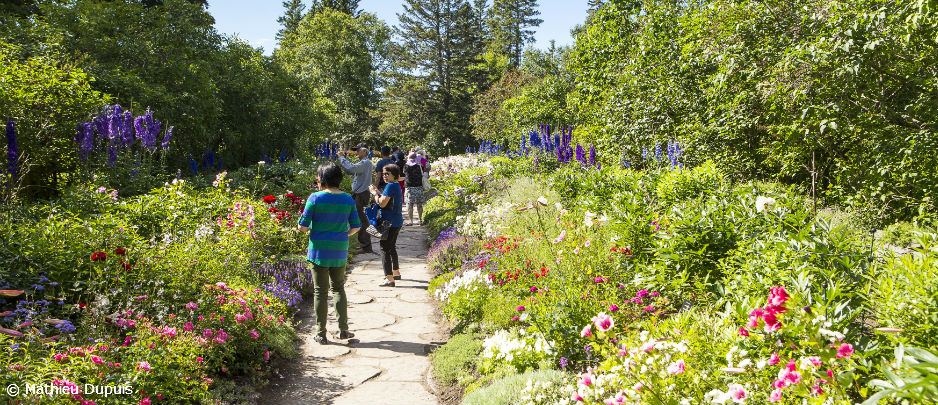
291 18
441 42
510 23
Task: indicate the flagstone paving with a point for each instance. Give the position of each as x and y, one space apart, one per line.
395 329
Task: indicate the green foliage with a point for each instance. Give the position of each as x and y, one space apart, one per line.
905 290
490 120
343 56
735 81
912 376
455 361
682 184
47 101
506 390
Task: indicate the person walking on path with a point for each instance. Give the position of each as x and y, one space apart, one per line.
391 202
330 217
413 176
362 172
385 159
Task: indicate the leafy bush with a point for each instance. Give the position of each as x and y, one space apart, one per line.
685 184
505 391
456 360
905 290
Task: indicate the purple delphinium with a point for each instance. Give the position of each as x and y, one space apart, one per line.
101 124
13 153
153 127
167 138
116 124
128 134
111 155
592 157
140 130
85 140
288 279
563 363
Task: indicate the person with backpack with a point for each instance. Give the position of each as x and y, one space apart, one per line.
413 177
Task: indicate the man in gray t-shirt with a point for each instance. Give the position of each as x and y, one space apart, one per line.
361 180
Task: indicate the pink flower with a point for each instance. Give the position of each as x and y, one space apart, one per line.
638 386
145 401
754 317
776 395
254 334
192 305
207 334
587 331
613 308
636 300
586 379
641 293
655 294
576 397
816 390
560 237
520 308
737 393
143 365
188 327
60 357
220 337
778 296
533 289
198 359
815 361
830 374
96 359
771 322
266 355
676 367
603 322
240 317
774 359
650 308
743 332
845 350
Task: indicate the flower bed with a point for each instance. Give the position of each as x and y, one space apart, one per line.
651 287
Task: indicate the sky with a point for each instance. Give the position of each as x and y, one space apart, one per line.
255 21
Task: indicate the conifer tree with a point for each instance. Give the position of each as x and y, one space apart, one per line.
510 23
290 20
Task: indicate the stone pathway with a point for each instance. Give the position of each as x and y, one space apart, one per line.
395 329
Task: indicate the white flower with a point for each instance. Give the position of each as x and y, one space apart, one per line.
542 200
764 203
588 219
716 397
261 163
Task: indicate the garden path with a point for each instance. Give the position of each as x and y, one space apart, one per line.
395 329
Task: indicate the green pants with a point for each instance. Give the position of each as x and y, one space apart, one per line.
322 278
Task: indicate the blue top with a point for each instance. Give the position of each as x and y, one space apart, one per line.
329 217
380 166
394 210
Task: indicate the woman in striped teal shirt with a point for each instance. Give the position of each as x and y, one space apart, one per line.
331 218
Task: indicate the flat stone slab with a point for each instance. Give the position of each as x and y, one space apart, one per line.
359 298
387 393
368 335
345 375
412 326
406 368
392 346
329 351
409 309
360 320
415 296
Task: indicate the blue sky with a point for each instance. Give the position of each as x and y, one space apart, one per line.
255 21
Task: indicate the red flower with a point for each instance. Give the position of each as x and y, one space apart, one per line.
269 199
120 251
125 265
96 256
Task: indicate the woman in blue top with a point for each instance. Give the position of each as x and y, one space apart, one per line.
391 202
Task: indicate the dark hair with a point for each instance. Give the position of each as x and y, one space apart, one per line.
385 150
395 149
393 169
330 175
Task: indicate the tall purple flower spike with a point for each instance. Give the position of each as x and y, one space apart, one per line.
13 152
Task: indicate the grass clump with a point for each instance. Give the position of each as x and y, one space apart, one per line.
456 360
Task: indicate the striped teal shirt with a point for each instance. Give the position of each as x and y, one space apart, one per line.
329 217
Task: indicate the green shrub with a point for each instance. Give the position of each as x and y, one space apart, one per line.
456 360
905 294
509 389
683 184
